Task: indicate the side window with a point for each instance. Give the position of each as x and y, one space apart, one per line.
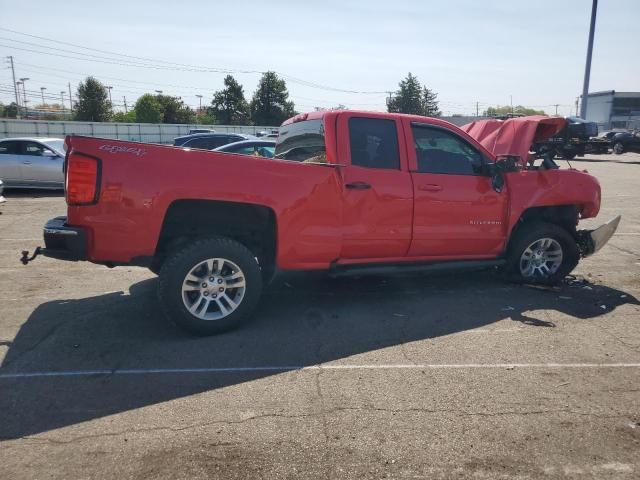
32 148
203 143
9 148
374 143
244 150
440 151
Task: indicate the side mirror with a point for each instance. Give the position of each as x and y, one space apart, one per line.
50 154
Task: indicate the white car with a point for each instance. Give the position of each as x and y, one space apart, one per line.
32 162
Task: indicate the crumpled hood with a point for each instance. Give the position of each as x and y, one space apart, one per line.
515 135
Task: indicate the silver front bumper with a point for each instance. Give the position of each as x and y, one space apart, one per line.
594 240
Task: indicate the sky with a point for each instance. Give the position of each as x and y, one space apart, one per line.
331 52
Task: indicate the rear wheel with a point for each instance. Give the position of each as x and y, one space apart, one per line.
541 252
618 148
210 286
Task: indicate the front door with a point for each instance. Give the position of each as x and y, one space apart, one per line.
377 193
41 165
457 212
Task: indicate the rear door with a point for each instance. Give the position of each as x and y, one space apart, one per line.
457 213
10 162
377 193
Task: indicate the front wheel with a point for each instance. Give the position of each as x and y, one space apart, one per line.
210 286
541 252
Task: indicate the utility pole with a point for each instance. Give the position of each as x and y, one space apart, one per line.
477 109
511 101
556 105
200 98
587 68
577 106
62 100
70 97
15 86
389 99
124 99
109 87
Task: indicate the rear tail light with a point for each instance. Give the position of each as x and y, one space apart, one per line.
83 175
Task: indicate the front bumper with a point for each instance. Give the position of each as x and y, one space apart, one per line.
593 240
64 242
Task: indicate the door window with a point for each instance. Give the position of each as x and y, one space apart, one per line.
9 148
374 143
441 151
32 148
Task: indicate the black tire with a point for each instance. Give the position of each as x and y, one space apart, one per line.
175 269
527 235
618 148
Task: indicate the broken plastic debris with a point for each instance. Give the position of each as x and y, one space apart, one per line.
547 288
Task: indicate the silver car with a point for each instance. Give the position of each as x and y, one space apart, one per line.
32 162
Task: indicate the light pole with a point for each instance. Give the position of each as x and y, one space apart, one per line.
24 93
42 89
109 87
159 92
18 83
587 67
200 98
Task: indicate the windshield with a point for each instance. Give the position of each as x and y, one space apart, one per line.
57 145
302 142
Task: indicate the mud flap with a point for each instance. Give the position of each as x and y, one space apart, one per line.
591 241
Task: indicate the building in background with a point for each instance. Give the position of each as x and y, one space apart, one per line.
611 109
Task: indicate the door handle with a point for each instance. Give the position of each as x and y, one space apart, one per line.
358 186
26 162
430 187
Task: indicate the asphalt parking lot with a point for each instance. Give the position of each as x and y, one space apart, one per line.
440 376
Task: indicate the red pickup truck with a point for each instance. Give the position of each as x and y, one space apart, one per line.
347 192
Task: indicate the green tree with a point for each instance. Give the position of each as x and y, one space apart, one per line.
414 98
174 110
93 102
408 97
148 109
430 103
229 106
504 110
129 117
11 110
206 119
270 105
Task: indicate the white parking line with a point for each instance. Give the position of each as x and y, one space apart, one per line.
424 366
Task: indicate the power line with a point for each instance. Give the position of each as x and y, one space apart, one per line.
167 64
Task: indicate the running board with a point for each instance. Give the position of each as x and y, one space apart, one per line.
385 269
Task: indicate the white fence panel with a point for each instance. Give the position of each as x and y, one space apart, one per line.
137 132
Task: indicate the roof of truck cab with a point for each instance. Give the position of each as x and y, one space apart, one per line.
331 113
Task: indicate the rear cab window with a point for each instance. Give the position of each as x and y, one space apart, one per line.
302 142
